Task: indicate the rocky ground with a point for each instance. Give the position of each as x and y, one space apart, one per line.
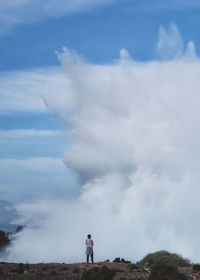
99 271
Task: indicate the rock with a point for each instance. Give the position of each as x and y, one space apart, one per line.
117 260
124 261
4 239
19 228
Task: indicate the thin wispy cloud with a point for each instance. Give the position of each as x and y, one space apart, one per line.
22 133
27 11
26 143
35 164
165 5
21 91
35 178
178 5
13 13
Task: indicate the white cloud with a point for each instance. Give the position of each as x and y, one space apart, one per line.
170 45
21 91
27 11
137 133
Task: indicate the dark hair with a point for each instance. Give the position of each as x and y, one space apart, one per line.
89 236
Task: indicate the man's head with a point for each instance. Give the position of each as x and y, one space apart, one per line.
89 236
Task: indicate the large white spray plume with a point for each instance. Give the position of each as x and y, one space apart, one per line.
136 129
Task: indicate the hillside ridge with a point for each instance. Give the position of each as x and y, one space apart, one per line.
81 271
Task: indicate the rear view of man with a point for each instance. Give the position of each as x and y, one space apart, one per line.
89 248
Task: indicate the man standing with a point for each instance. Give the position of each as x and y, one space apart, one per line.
89 248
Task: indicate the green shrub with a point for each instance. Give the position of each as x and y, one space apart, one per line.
163 257
196 267
165 272
76 270
132 266
20 268
73 277
132 277
64 268
99 273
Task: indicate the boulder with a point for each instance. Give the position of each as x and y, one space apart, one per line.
4 239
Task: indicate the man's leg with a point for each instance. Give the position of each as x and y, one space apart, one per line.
92 258
87 258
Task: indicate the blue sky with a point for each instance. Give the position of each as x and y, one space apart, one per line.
29 35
